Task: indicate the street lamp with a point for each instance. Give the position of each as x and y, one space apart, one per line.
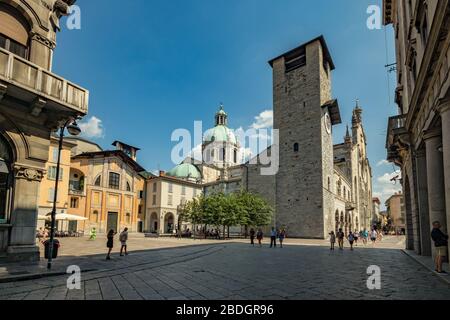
74 130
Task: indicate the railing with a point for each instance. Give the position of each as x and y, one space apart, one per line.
397 122
75 188
27 75
396 125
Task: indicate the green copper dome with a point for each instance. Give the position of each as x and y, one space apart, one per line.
220 133
185 171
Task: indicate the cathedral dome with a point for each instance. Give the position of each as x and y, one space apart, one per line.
220 133
185 171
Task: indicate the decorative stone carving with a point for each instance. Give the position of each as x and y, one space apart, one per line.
42 39
30 174
60 8
37 106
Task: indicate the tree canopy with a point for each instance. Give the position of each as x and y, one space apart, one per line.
225 210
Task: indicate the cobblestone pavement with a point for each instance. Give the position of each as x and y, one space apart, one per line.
234 271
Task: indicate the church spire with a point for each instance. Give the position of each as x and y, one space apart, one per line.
357 114
348 137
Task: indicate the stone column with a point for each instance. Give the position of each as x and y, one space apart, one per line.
435 179
444 110
422 201
22 244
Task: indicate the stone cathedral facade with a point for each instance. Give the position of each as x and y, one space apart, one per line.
319 187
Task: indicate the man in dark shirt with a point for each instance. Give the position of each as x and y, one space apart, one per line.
441 243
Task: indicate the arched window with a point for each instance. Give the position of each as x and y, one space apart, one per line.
128 187
235 156
98 181
14 31
296 147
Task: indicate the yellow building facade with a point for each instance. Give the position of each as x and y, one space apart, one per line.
107 189
47 189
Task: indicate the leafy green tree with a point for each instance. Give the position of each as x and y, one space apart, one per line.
224 211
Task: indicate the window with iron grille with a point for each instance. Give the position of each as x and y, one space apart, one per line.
114 180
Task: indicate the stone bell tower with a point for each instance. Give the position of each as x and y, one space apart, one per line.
304 114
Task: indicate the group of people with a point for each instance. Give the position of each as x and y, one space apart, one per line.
42 234
275 234
353 238
123 238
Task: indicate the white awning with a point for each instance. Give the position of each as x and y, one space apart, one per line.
69 217
61 215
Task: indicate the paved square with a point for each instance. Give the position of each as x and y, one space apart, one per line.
235 270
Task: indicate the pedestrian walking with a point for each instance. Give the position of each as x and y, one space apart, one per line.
356 236
282 236
110 243
273 238
123 242
93 234
259 236
332 240
365 236
340 236
441 244
252 237
373 236
351 240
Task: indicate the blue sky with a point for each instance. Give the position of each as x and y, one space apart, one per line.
155 66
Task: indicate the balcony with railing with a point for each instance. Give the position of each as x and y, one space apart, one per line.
76 188
397 138
29 81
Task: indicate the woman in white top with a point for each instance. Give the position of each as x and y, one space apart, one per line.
373 235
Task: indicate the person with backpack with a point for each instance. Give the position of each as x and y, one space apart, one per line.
340 236
351 240
123 238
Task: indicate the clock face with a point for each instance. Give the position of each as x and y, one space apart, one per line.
328 123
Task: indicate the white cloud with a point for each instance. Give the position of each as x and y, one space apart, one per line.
385 186
263 120
92 128
383 163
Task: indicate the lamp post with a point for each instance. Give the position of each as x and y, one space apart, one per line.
74 130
